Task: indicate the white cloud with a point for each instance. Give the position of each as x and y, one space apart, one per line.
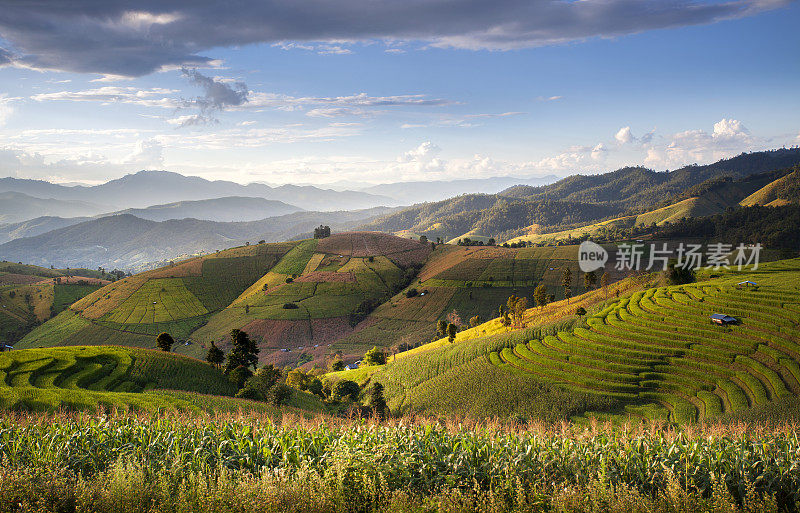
624 135
335 112
115 94
6 109
148 154
548 98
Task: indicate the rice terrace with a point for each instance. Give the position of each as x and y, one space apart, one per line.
433 256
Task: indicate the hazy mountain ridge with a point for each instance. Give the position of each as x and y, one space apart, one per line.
128 242
16 207
584 199
146 188
226 209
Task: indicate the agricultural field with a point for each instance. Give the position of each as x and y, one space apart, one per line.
657 353
30 295
81 377
177 299
167 463
462 282
644 351
315 294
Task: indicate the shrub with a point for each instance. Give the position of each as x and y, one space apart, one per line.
290 306
345 389
280 394
412 292
374 356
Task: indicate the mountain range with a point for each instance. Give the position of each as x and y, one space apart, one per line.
128 242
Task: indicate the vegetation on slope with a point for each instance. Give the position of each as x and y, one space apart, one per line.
180 463
176 299
88 377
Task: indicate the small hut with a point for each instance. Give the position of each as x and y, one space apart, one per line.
747 285
722 319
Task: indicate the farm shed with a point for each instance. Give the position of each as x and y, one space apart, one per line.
722 319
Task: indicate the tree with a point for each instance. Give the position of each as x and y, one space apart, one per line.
337 365
604 284
374 356
257 386
505 318
566 282
580 311
540 296
491 242
452 330
322 232
441 328
377 401
589 279
423 239
279 394
244 352
679 275
215 355
474 321
165 341
296 378
239 376
315 387
345 389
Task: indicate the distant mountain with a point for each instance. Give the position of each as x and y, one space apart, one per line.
420 192
782 191
638 188
228 209
131 243
16 207
147 188
36 226
581 200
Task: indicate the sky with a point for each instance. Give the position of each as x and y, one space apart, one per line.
357 92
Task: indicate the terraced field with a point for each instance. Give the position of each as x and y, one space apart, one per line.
310 297
91 377
177 299
658 354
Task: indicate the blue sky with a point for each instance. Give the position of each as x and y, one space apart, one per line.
379 99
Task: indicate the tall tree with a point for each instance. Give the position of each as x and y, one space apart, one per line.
215 356
165 341
244 352
377 401
604 284
589 279
441 328
566 282
452 330
540 296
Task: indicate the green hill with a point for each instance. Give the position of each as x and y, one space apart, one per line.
94 377
177 299
30 295
651 353
317 293
581 203
782 191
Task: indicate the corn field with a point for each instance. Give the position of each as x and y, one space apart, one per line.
372 463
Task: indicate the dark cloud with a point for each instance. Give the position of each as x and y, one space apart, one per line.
219 95
113 37
5 57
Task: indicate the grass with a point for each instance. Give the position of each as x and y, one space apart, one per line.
91 377
177 299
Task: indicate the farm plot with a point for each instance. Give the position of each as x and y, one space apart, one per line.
89 377
158 300
658 346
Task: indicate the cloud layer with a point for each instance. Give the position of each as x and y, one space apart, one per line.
110 37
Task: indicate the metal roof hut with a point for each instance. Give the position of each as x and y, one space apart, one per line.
747 284
722 319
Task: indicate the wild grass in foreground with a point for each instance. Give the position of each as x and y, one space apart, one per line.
201 463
